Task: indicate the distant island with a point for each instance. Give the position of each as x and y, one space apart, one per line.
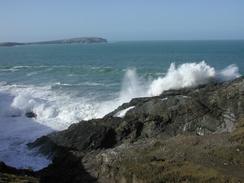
82 40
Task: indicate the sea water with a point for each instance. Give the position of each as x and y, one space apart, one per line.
68 83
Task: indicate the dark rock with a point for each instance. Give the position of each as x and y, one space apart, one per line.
66 168
30 115
180 136
8 169
204 110
11 174
84 136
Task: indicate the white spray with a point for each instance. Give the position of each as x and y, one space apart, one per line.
56 111
191 75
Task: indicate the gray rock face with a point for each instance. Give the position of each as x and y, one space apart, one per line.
209 110
200 111
87 136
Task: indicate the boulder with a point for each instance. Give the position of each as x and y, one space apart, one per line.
30 114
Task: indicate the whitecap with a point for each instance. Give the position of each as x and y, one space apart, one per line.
56 110
122 113
190 75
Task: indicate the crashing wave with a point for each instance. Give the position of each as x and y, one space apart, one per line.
191 75
57 110
184 75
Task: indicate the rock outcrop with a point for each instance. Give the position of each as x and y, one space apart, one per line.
187 135
208 109
13 175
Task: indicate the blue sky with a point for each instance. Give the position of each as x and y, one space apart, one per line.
36 20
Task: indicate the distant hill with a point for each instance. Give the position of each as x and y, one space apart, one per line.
82 40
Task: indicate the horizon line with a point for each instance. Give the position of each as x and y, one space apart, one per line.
145 40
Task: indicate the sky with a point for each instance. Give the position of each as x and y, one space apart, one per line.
121 20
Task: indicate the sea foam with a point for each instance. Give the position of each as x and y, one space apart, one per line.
56 110
190 75
181 76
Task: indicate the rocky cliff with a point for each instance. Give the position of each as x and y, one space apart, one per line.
187 135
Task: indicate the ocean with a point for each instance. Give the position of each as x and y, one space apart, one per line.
67 83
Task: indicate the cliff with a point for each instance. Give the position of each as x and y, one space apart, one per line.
187 135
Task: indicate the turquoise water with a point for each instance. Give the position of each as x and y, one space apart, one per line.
64 84
99 68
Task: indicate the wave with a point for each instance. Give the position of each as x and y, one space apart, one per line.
132 86
191 75
56 109
8 70
184 75
20 68
49 105
64 108
15 133
80 84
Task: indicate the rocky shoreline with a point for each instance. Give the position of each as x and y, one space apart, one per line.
186 135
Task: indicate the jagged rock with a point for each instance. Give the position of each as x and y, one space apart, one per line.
66 167
84 136
11 174
188 135
30 114
200 111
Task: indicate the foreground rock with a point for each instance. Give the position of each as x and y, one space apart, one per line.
188 135
13 175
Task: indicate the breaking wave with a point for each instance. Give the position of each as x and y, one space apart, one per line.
56 110
191 75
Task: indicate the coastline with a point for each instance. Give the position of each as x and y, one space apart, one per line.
82 40
191 134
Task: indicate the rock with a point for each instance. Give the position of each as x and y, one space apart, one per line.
180 136
30 115
200 111
84 136
66 167
11 174
177 159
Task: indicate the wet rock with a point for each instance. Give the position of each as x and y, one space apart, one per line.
84 136
180 136
30 114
